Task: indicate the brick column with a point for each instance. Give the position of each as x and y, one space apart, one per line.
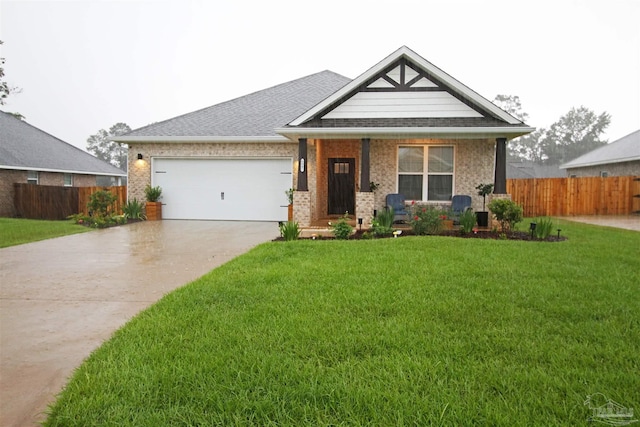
302 208
364 207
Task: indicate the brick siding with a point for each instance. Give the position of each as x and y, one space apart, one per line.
474 164
613 169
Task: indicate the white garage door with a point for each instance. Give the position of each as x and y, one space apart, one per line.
223 189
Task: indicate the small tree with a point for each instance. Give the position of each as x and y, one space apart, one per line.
484 190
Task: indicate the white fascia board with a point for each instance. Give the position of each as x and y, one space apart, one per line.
411 55
406 132
126 139
25 168
598 163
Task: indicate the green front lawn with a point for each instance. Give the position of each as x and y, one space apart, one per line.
407 331
18 231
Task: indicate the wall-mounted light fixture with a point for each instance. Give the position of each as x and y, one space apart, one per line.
139 156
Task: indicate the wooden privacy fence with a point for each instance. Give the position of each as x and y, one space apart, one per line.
52 202
616 195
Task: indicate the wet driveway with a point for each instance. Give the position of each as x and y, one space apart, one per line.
61 298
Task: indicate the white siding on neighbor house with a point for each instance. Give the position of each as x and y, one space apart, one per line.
435 104
223 189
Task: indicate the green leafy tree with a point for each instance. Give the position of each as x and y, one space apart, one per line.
574 134
522 148
110 151
512 105
5 89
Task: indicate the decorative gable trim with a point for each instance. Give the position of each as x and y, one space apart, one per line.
406 71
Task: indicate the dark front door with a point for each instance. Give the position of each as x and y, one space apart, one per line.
342 192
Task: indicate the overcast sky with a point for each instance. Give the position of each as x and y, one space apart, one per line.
86 65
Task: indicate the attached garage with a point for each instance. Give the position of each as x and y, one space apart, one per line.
246 189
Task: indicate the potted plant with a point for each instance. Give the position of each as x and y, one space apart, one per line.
483 216
153 206
289 194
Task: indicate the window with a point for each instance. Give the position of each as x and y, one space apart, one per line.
604 174
68 180
32 177
425 172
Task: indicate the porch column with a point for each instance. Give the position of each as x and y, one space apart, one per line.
365 180
302 165
500 181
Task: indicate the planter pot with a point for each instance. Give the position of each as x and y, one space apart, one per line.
447 224
483 218
153 211
290 213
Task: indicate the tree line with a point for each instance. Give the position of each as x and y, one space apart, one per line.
576 133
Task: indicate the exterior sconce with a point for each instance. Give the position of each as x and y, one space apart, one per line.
139 156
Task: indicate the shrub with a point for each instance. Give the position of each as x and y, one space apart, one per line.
133 209
507 212
543 227
467 221
382 224
289 230
341 229
153 194
425 220
101 203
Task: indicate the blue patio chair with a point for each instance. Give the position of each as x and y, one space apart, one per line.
459 204
396 201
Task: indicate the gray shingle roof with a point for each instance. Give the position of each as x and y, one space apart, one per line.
625 149
253 115
25 146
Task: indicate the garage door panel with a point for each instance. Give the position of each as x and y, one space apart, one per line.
243 189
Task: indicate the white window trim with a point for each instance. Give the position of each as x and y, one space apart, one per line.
425 171
35 181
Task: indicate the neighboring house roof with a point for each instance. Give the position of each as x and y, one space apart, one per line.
527 170
625 149
25 147
249 118
405 95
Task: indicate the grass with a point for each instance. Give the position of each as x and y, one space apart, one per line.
19 231
408 331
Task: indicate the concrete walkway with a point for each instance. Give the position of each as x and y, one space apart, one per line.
628 222
61 298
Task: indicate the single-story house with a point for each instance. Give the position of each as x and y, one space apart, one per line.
404 125
31 156
620 158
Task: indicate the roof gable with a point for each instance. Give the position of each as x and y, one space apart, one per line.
25 147
405 85
625 149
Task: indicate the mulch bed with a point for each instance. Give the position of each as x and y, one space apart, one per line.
512 235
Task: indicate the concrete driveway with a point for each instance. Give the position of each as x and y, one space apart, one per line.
61 298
